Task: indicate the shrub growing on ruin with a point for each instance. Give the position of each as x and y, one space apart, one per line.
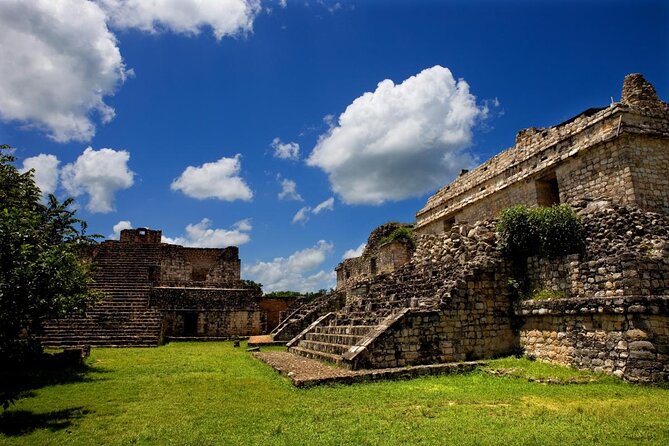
547 231
404 234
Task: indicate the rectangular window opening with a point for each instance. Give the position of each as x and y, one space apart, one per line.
548 190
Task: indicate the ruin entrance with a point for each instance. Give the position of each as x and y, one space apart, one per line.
199 274
448 224
190 323
548 190
372 266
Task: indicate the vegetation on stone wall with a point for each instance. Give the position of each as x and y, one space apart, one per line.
546 231
252 284
404 234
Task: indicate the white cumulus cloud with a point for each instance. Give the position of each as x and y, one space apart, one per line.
286 150
401 140
289 190
224 17
46 171
297 272
59 61
357 252
100 174
219 179
202 235
117 228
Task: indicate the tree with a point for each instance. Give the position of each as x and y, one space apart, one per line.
42 275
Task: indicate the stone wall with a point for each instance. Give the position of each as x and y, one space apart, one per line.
475 322
274 309
626 254
380 256
613 314
140 235
450 303
620 153
209 312
207 267
625 336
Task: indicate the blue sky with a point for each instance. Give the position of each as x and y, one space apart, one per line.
293 129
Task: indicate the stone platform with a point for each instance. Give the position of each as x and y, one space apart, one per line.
304 372
264 340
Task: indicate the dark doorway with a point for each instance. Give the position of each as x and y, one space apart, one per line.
372 265
199 274
190 323
548 191
448 224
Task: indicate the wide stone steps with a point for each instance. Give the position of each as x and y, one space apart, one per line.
330 342
357 330
325 347
313 354
333 338
122 317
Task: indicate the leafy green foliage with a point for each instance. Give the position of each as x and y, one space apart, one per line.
404 234
252 284
547 231
296 294
283 295
41 274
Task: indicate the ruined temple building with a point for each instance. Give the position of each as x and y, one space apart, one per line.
154 291
447 296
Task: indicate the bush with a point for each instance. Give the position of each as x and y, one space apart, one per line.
547 231
404 234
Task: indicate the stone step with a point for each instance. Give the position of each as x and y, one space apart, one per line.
358 330
312 354
336 349
333 338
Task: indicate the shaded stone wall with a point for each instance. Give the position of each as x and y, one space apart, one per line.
141 235
209 312
274 309
626 336
179 265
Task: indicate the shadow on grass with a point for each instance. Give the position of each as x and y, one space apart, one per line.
21 422
22 382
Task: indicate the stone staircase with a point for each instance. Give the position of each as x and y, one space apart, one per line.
337 338
123 317
305 314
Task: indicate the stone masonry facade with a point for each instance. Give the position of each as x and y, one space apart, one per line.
618 153
455 297
155 291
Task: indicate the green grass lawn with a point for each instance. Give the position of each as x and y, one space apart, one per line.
212 393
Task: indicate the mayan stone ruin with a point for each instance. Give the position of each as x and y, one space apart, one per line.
448 298
440 290
154 292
